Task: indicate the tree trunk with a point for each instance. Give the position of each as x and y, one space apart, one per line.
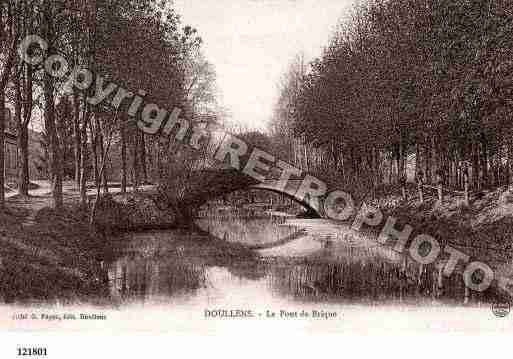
135 162
77 137
24 178
102 172
2 148
94 151
418 160
83 174
105 156
507 175
55 153
123 159
485 163
143 159
475 166
84 157
23 132
465 189
22 142
433 162
427 162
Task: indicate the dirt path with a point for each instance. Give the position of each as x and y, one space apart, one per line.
41 197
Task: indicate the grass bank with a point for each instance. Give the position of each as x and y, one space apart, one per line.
48 257
484 228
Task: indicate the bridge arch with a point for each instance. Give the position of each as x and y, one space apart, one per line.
310 211
211 184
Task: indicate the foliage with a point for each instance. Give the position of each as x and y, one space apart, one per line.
401 78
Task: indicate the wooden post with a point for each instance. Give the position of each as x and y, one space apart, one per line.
419 279
440 283
466 185
439 184
420 182
403 187
467 295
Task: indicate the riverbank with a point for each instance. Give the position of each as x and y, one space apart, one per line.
133 212
483 230
50 257
46 256
55 257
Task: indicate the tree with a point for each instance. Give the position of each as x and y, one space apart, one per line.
9 35
405 79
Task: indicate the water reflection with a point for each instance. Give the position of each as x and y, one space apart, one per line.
248 230
137 278
322 266
361 282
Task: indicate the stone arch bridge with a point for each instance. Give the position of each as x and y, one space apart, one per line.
206 185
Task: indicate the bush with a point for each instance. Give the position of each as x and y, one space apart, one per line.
131 212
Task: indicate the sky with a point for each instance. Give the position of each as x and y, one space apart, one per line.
251 43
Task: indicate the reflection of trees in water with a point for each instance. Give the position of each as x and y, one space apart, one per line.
366 281
247 231
248 269
340 272
134 276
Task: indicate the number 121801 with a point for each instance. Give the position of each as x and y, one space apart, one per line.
31 351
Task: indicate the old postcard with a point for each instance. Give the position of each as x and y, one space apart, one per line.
255 166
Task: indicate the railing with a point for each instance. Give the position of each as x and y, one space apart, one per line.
440 190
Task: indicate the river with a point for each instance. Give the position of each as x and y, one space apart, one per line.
236 271
244 261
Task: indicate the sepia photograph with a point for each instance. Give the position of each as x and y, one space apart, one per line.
207 167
